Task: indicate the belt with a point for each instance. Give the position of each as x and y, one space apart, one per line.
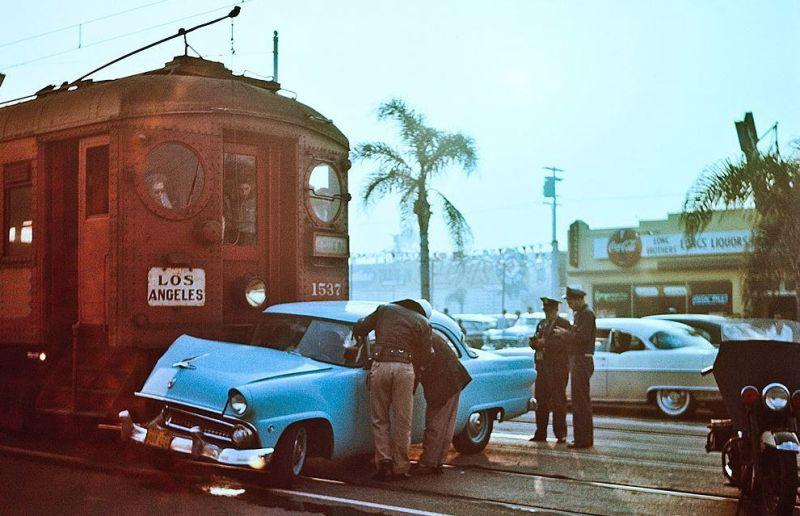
392 354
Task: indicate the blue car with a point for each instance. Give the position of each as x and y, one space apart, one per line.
299 388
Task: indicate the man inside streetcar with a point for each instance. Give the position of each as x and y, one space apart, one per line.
240 214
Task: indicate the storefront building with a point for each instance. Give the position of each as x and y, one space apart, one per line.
650 269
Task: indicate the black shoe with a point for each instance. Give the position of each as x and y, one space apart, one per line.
561 440
401 476
538 438
384 473
579 446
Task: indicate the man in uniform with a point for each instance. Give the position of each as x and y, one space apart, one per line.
552 366
443 380
581 367
402 346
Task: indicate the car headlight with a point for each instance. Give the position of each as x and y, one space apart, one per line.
242 436
238 403
255 292
776 396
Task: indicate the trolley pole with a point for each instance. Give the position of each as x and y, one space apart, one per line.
550 192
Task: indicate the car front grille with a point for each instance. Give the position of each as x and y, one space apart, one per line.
183 421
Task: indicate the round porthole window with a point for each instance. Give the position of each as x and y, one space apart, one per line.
325 190
173 179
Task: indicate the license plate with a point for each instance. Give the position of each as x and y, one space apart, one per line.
158 438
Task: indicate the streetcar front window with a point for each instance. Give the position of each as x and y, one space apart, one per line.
174 176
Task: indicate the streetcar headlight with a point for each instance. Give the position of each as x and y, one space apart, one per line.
255 292
238 403
776 396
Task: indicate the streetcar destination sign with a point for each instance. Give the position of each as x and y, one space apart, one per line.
176 287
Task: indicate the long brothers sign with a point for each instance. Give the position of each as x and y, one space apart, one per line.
712 242
176 287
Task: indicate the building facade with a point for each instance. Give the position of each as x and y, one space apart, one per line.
650 269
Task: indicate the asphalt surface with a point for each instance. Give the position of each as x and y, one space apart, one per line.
639 465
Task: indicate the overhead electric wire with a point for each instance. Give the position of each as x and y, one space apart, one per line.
80 24
120 36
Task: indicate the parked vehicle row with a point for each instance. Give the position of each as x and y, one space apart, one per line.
639 361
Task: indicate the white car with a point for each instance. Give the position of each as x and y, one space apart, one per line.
640 361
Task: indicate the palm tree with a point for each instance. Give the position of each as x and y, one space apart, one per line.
771 185
408 171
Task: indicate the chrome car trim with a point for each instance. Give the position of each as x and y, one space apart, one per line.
195 446
713 390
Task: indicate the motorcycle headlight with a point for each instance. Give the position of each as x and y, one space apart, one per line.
238 403
776 396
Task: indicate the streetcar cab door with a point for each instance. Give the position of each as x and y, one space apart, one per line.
93 234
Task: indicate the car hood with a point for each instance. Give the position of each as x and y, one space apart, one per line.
201 372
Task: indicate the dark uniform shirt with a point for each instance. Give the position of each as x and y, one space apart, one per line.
398 327
444 376
554 346
583 332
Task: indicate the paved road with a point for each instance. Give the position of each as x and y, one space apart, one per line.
639 465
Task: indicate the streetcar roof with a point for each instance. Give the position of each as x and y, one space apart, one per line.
184 85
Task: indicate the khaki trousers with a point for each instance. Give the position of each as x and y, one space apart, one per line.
392 396
440 422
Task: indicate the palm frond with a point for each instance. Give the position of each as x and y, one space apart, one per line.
457 226
453 149
382 183
724 186
411 122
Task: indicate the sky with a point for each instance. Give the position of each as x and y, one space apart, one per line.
633 99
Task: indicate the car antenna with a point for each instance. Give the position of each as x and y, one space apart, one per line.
181 32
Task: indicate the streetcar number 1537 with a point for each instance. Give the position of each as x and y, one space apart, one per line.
326 289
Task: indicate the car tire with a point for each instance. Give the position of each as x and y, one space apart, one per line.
476 433
290 457
675 403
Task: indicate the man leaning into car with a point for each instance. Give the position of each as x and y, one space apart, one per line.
402 345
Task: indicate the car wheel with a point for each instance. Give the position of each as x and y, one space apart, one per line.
290 455
675 403
475 435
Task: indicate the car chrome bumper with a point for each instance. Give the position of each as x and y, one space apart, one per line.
195 446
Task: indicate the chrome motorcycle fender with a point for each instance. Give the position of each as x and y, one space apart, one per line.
783 441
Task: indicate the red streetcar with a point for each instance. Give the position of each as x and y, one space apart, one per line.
180 200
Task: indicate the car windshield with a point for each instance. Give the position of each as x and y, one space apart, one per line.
317 339
761 329
679 338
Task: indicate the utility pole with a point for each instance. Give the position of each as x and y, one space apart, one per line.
550 191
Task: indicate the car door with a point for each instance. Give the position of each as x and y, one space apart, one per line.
627 377
598 383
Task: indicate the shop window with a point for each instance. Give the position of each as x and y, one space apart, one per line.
17 211
240 192
325 191
174 176
97 180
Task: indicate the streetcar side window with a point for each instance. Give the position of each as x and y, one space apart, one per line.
17 210
97 180
240 200
325 191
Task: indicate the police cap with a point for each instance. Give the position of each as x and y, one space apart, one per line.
573 293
